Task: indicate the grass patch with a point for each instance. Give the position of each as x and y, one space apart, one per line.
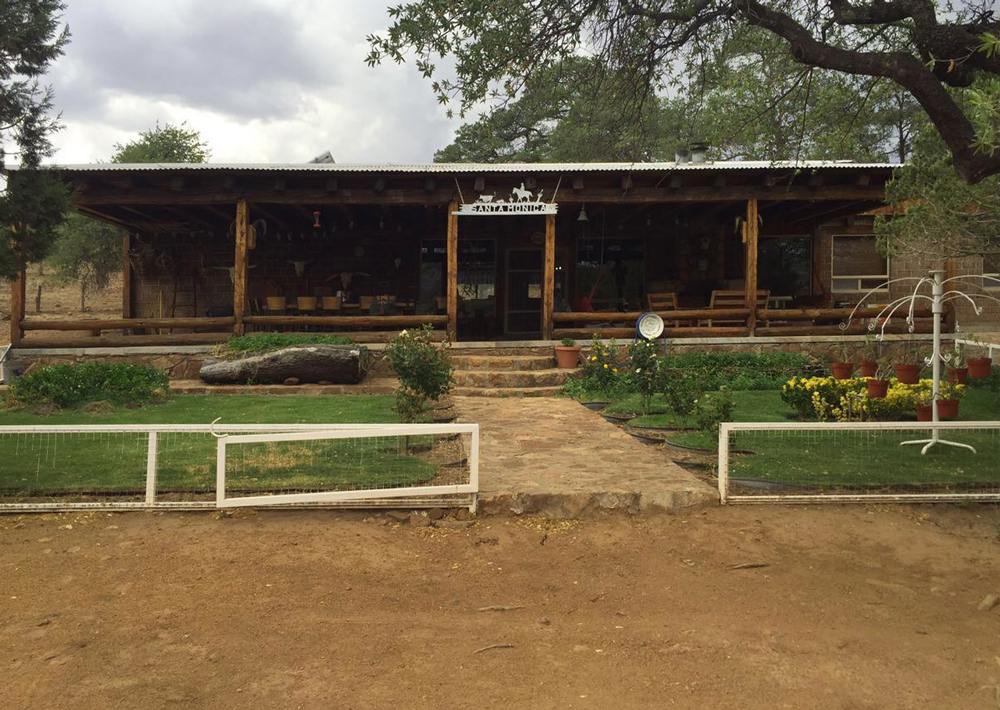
261 342
117 462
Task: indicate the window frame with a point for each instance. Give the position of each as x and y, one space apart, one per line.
857 278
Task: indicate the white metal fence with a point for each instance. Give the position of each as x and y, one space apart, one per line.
187 467
859 461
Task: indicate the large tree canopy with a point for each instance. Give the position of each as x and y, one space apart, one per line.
33 204
164 144
930 50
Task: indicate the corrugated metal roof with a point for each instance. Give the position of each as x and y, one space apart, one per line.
478 167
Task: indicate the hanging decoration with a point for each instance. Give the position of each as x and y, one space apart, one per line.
521 202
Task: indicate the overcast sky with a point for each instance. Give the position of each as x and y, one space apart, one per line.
263 80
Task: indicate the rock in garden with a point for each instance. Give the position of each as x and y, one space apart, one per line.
435 513
100 407
44 410
340 364
420 521
291 381
989 602
398 515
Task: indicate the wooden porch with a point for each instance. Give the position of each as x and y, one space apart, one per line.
215 251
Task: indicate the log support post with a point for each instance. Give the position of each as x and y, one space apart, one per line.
549 276
452 257
126 276
750 234
240 270
17 298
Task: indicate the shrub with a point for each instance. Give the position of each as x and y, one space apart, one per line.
827 399
262 342
713 409
680 389
73 385
743 371
423 368
600 371
644 369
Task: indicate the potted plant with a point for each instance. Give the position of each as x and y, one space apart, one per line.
568 353
948 401
925 407
908 373
979 367
958 370
870 357
842 367
878 385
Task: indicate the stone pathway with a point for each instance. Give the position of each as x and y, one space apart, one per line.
555 457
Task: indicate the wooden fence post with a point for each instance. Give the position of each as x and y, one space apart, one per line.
17 298
751 264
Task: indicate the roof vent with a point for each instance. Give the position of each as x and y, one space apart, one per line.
324 157
682 155
699 152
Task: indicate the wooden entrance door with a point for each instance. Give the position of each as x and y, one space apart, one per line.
523 300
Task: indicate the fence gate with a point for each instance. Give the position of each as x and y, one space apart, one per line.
398 464
859 462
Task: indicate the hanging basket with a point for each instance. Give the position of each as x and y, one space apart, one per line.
868 368
947 408
842 370
958 375
908 374
877 389
979 367
925 412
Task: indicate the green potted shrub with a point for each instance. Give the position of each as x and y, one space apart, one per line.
958 370
843 366
870 356
567 353
908 371
951 394
979 367
878 384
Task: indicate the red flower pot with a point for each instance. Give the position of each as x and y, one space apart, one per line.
948 409
842 370
868 368
877 389
567 356
908 374
958 375
925 413
979 367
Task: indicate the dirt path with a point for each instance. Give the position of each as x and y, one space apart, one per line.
857 608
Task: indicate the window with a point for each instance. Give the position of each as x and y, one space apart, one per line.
613 268
857 264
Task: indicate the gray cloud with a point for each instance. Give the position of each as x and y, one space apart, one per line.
262 79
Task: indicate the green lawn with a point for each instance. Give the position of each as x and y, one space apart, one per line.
90 463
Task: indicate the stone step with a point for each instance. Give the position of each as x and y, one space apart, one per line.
552 377
503 362
506 391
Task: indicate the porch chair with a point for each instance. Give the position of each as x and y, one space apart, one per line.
663 301
725 299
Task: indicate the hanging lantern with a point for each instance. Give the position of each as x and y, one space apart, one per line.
316 224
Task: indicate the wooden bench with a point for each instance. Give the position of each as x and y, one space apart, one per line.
734 299
663 301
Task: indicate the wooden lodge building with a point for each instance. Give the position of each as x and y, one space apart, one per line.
718 249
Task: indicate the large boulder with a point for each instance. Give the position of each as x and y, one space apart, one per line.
340 364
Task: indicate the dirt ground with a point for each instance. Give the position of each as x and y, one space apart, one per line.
855 608
60 300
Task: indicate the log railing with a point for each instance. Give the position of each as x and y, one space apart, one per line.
347 321
624 323
128 323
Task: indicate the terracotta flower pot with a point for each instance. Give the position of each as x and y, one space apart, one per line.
979 367
568 356
877 389
908 374
925 413
958 375
842 370
948 409
868 368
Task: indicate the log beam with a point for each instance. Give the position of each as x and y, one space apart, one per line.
17 305
126 323
752 233
632 316
549 276
240 272
452 260
126 275
348 321
729 332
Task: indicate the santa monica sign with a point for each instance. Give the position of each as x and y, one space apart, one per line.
521 202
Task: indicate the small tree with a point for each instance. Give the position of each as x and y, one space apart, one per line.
166 144
88 252
423 368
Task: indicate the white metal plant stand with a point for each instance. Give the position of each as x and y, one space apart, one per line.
937 298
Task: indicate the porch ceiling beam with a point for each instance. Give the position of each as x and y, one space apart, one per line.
104 217
268 215
639 195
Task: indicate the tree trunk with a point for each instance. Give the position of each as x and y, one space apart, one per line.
83 296
337 364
